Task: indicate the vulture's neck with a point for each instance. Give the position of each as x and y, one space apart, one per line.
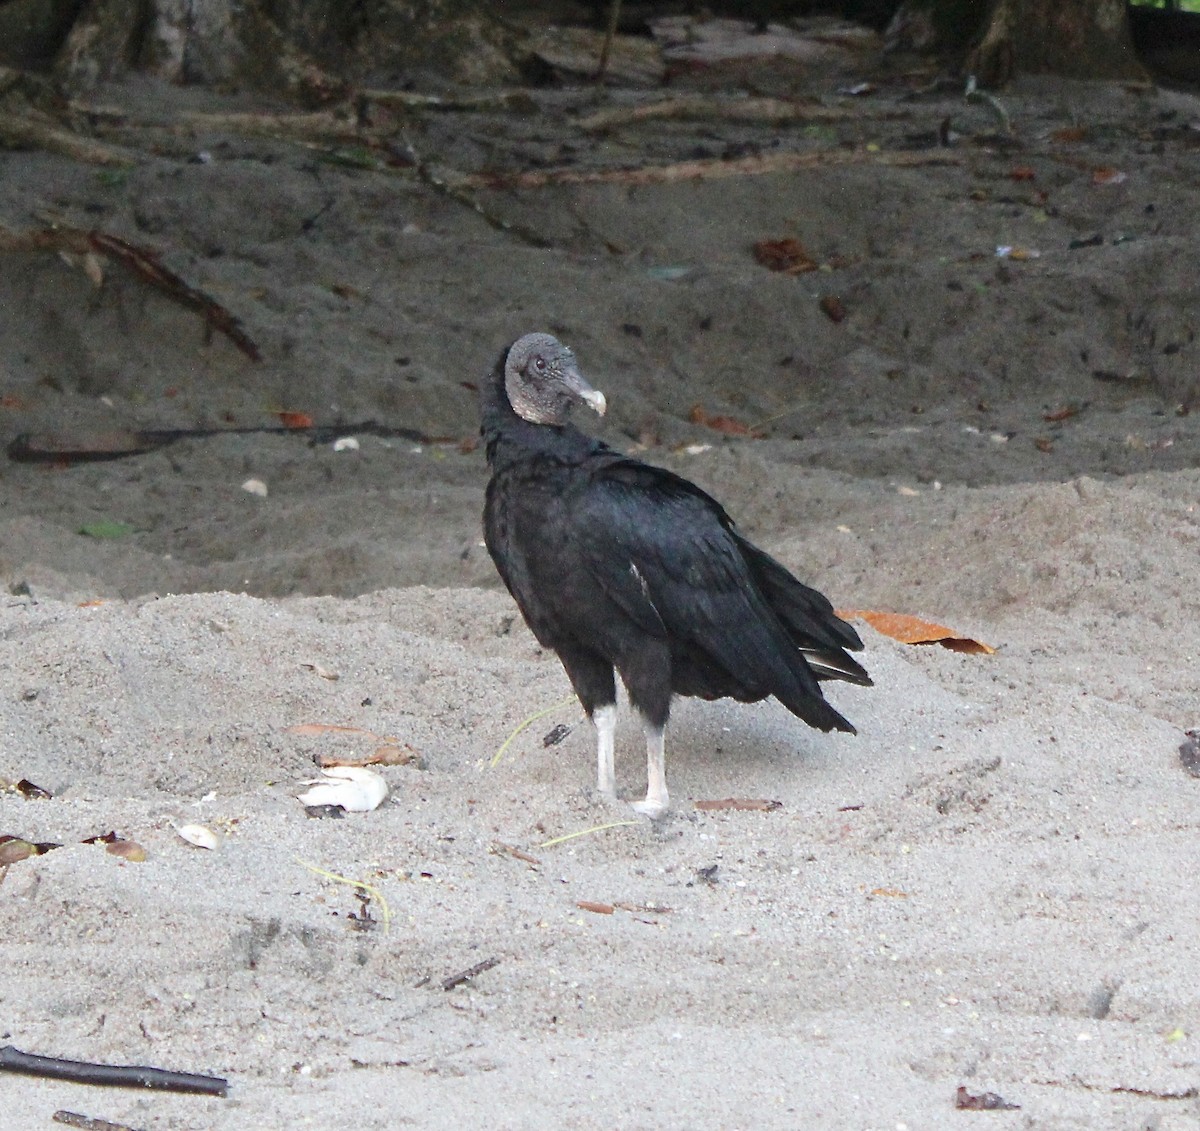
510 438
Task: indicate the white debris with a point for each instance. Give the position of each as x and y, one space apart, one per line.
346 444
355 788
255 487
199 835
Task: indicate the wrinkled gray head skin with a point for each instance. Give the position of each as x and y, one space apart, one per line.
543 381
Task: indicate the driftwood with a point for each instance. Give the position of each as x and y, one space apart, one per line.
716 169
34 131
767 110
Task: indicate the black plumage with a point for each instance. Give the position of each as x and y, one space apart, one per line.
616 564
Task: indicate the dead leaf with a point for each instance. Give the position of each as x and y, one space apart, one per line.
31 792
890 893
1069 134
727 425
912 630
787 255
13 849
1063 413
295 419
746 804
833 308
595 908
127 850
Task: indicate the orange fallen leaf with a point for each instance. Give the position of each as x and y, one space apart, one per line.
295 419
728 425
787 255
912 630
747 804
595 908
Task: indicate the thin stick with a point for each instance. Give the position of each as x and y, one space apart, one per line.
467 975
84 1123
586 832
614 16
113 1075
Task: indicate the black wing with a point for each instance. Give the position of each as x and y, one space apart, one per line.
667 555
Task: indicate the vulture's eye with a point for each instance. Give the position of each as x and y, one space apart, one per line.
539 363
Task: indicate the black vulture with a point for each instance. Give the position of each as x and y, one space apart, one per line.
616 564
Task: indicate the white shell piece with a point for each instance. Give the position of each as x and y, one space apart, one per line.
255 487
346 444
199 835
355 788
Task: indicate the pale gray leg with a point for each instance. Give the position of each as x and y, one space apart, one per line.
605 719
657 799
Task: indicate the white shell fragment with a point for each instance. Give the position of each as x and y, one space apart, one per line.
346 444
355 788
199 835
255 487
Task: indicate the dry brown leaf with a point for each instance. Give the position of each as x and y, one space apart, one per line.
127 850
1065 412
787 255
595 908
912 630
833 308
1069 134
295 419
727 425
13 849
747 804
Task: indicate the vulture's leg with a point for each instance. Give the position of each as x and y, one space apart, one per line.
647 675
657 799
605 719
592 677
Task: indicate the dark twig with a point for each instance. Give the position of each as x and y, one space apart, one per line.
74 1119
456 192
65 447
144 262
614 16
113 1075
467 975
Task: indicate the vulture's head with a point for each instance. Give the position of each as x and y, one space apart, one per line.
543 381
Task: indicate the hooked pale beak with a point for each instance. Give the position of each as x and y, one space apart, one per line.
593 398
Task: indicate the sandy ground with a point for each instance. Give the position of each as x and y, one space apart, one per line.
993 886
